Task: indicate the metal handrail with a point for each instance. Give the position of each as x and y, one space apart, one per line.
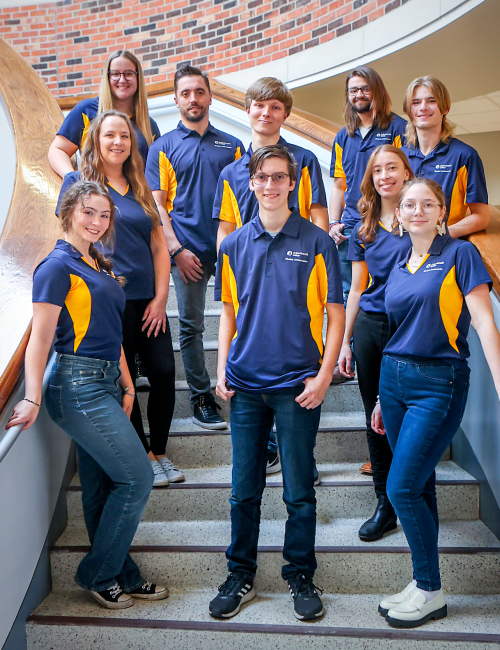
14 432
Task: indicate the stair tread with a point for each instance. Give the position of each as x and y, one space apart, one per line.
337 532
477 614
209 313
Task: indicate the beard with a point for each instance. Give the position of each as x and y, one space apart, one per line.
196 118
364 107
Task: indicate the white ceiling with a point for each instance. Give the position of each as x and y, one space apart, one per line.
477 115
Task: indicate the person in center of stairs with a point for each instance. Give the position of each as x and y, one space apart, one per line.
275 276
431 297
268 103
182 169
90 394
139 253
374 249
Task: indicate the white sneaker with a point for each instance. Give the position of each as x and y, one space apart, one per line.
390 601
161 479
415 611
173 474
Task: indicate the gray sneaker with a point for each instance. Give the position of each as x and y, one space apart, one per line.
173 474
161 480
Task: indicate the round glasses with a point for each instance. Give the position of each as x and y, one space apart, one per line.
409 207
279 178
114 75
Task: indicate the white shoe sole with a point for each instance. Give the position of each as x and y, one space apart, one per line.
211 427
124 604
161 484
159 596
309 618
274 469
180 478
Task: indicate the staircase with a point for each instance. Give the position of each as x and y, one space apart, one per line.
186 529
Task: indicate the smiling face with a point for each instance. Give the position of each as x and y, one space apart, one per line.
267 116
362 100
271 184
424 111
389 174
114 140
122 88
193 98
89 221
419 211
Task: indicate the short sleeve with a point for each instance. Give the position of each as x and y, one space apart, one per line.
219 192
334 293
476 181
336 167
356 251
470 269
225 282
399 132
155 130
69 180
318 193
51 282
240 150
153 167
75 124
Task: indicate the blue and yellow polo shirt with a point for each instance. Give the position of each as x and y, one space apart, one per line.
235 202
130 251
279 287
350 157
77 123
380 256
92 301
457 167
187 166
428 316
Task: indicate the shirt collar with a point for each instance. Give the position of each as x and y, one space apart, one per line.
249 152
184 132
290 228
436 248
68 248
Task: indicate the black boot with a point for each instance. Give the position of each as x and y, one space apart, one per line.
383 520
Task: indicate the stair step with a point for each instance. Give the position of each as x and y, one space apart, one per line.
210 347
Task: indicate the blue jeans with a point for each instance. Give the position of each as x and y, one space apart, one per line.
296 427
422 401
345 265
84 399
191 304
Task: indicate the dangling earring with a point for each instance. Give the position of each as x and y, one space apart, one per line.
441 228
401 230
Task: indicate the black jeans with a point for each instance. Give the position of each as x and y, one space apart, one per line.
370 334
157 358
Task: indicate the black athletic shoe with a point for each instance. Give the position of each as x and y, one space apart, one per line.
306 597
232 594
205 413
149 591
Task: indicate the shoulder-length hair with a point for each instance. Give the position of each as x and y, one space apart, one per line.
381 102
92 166
434 187
442 97
370 203
141 114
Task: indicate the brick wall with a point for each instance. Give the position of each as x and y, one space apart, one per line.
67 42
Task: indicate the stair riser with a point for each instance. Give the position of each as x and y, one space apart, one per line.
346 573
456 502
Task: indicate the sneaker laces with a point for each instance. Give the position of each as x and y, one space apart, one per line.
115 591
302 586
206 403
146 586
231 585
167 464
157 469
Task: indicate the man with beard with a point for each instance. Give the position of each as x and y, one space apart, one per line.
369 123
182 170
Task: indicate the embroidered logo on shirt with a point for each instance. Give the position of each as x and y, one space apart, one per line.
443 168
432 267
296 256
386 136
225 145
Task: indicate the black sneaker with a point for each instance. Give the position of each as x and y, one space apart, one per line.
205 413
306 599
149 591
273 462
113 598
232 594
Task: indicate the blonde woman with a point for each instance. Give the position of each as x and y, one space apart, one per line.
122 88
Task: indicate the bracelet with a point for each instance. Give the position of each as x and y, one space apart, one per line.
129 395
333 223
25 399
126 389
179 250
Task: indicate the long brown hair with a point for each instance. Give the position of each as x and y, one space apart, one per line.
442 97
106 102
92 166
381 102
370 203
75 197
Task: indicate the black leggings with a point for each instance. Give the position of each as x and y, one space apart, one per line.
370 335
157 357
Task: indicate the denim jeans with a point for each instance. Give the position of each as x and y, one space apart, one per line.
296 427
84 399
422 401
191 305
345 265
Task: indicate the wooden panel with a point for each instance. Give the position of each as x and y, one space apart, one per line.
488 244
31 228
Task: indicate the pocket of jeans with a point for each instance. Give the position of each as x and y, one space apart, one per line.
443 374
53 402
87 376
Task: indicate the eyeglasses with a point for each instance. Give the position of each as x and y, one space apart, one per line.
279 178
409 207
114 75
364 90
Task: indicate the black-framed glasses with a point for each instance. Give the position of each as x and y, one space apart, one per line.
364 90
279 178
114 75
428 207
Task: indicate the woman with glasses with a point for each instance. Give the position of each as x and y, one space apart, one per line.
431 298
123 89
374 249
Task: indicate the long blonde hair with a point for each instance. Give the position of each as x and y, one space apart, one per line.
92 167
106 103
442 97
370 203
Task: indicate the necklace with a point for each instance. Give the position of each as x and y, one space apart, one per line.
414 264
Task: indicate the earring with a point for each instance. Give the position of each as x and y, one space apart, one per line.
441 228
401 229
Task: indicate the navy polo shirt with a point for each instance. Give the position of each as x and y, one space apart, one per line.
279 287
130 251
235 202
350 156
380 256
457 167
77 123
187 166
428 316
92 301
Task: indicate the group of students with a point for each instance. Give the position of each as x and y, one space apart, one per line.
131 217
